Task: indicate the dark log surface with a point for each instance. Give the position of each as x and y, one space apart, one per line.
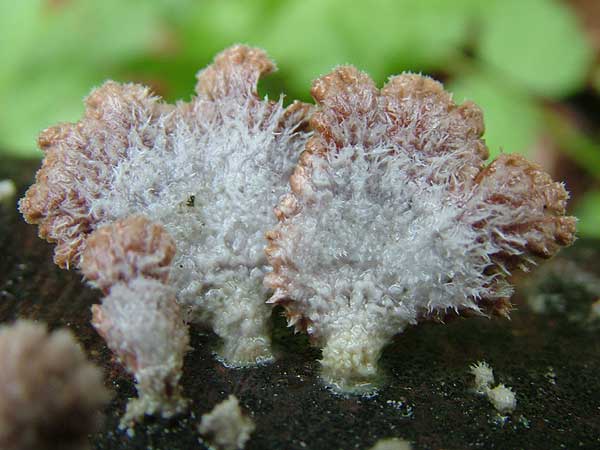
551 360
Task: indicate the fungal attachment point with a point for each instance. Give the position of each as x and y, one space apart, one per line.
394 218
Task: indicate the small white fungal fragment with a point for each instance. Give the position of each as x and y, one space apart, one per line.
550 375
225 427
503 399
8 191
392 444
595 310
484 376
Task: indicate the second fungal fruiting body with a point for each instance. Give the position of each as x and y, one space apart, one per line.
393 218
139 318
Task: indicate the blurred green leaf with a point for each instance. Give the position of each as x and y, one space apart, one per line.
93 32
588 213
19 29
198 30
46 98
512 120
206 27
537 43
308 38
305 43
406 34
57 53
580 148
596 79
381 37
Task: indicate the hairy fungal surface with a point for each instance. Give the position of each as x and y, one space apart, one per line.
127 249
209 171
51 397
143 325
503 398
394 218
484 376
139 318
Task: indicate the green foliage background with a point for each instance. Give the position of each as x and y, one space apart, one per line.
512 57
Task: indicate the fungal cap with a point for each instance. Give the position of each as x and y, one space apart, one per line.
79 162
127 249
394 218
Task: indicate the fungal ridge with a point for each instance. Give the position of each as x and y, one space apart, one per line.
234 72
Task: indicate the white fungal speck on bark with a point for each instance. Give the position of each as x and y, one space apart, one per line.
225 427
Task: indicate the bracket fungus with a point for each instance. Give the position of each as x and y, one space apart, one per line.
208 171
393 218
